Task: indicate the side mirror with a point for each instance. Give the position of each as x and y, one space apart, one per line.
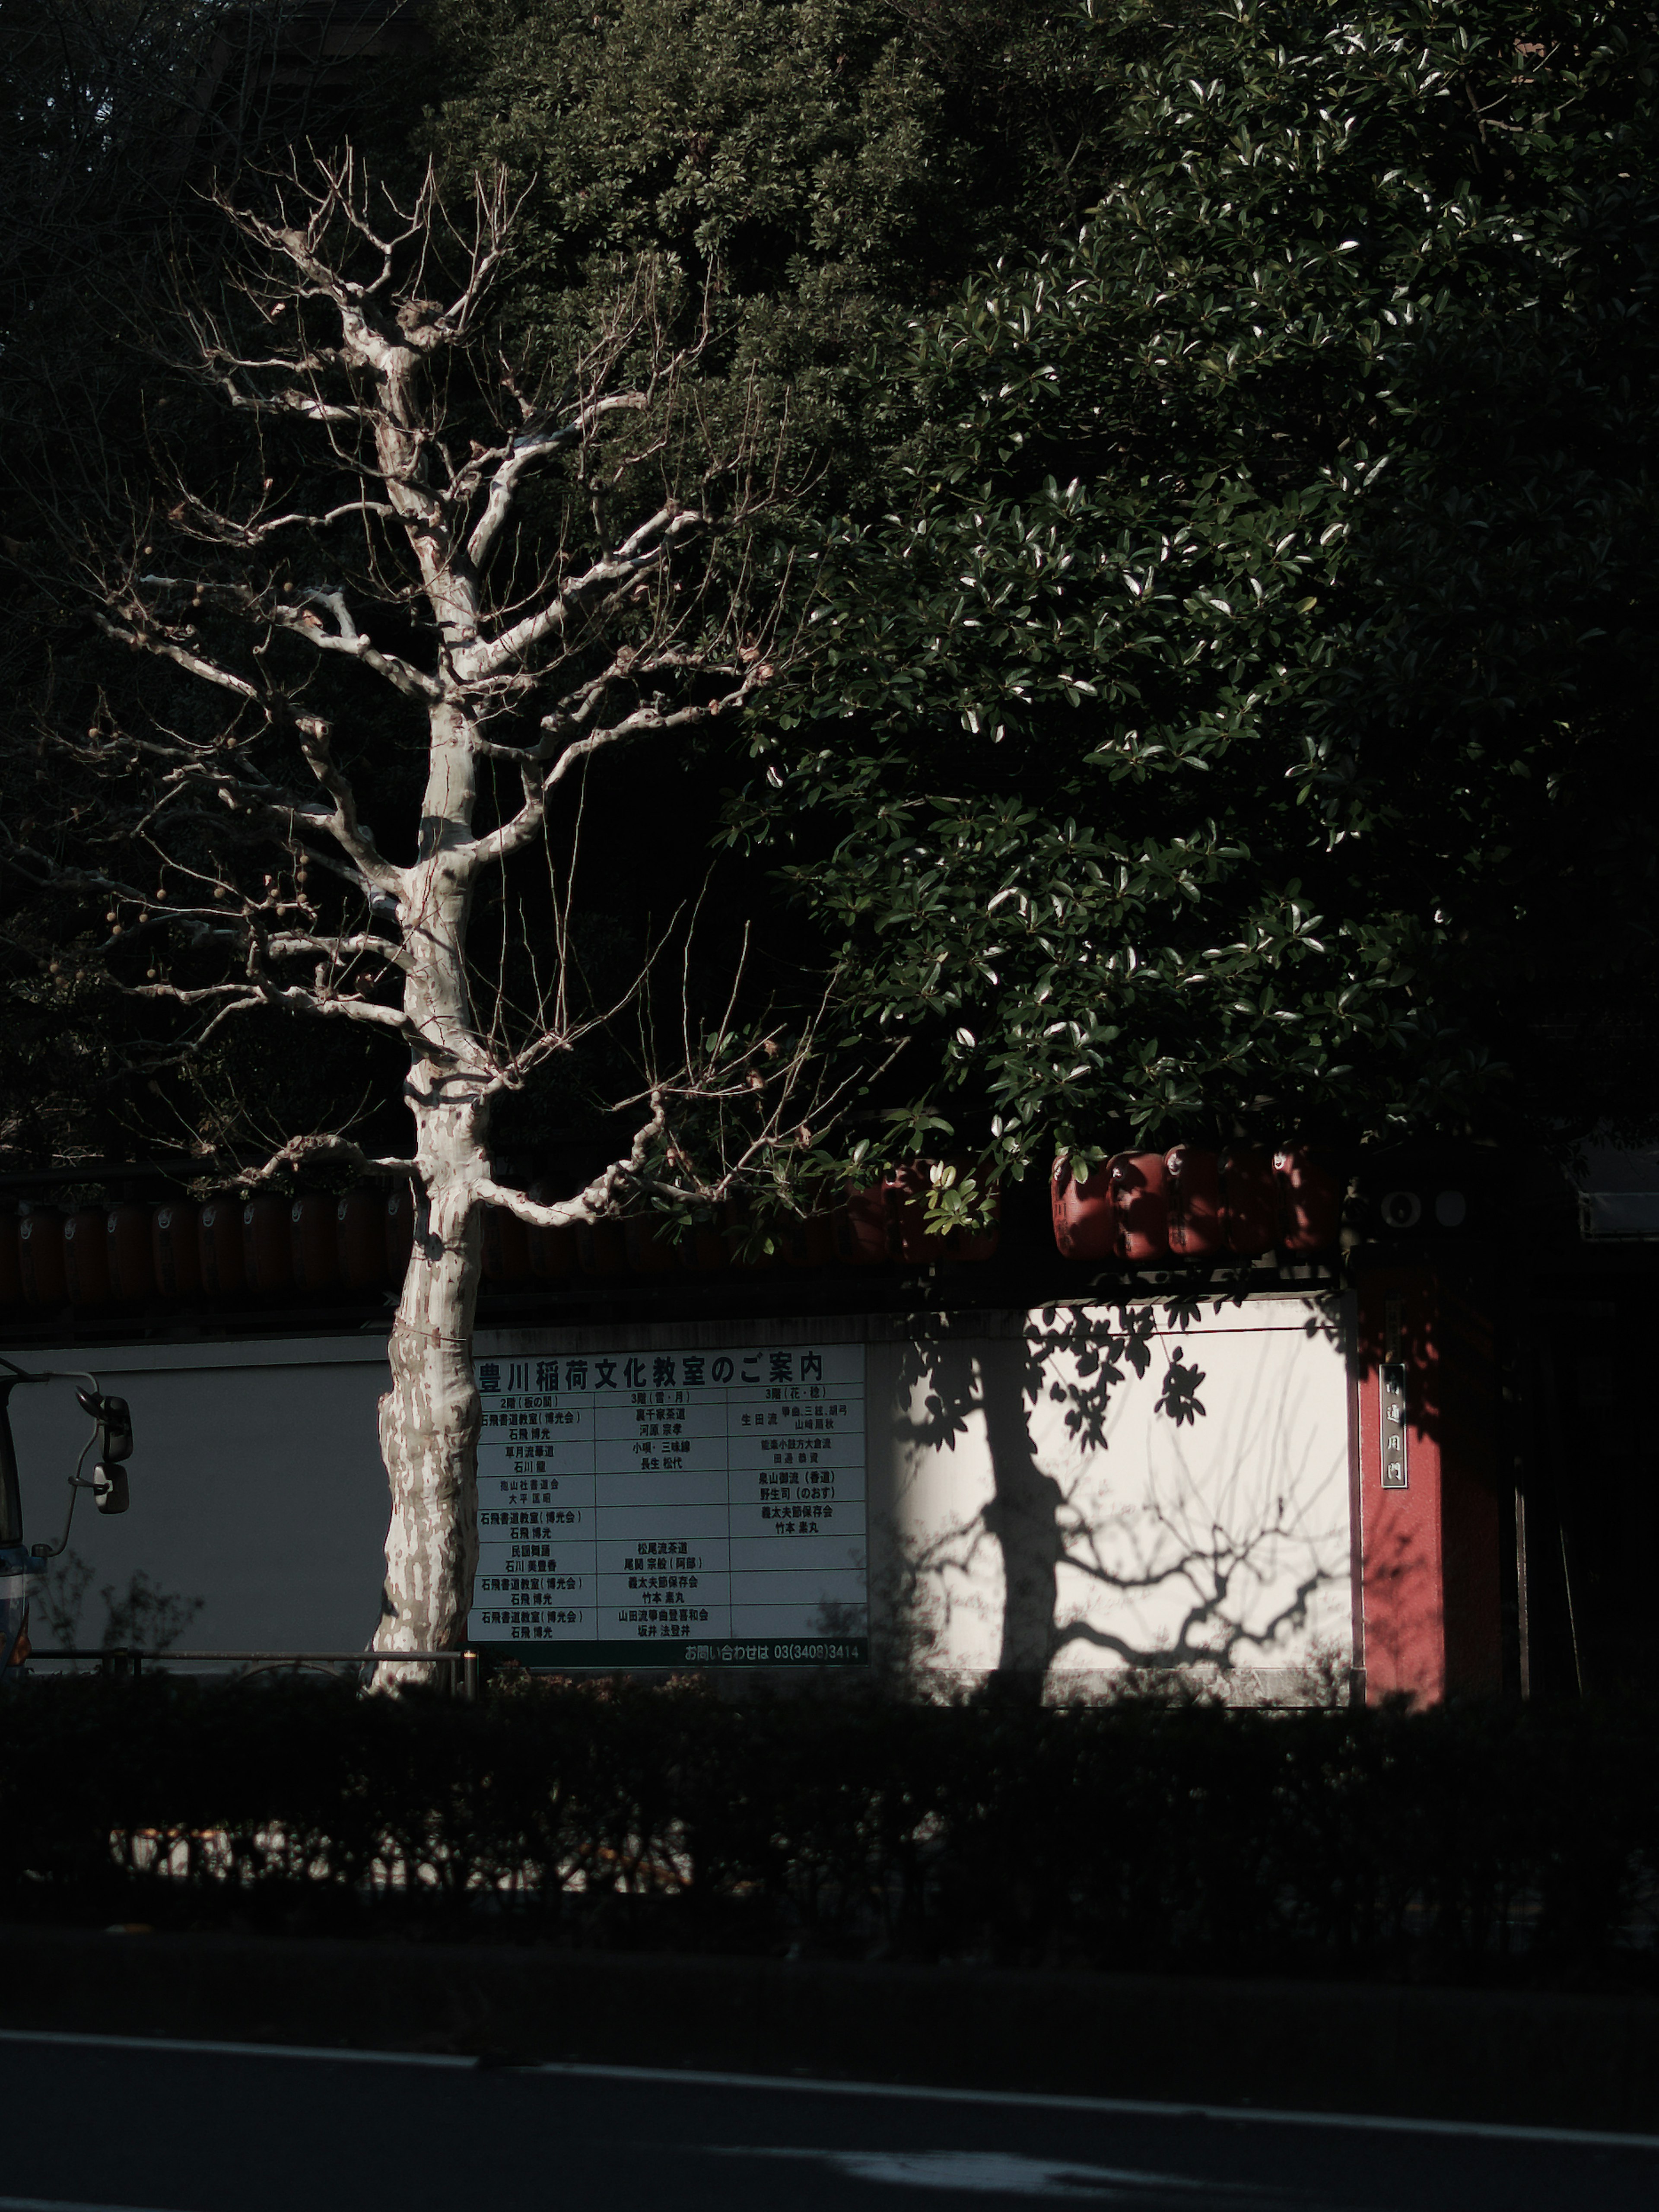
109 1487
115 1420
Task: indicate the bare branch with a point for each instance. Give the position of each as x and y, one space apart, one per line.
521 456
192 663
600 1197
342 824
348 639
302 1152
644 549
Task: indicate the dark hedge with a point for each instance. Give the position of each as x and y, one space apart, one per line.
1478 1845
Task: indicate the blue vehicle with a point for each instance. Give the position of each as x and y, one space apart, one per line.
20 1564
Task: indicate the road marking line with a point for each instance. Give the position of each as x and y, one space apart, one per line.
694 2077
999 2172
78 2039
58 2204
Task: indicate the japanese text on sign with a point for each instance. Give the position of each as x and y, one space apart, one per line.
685 1507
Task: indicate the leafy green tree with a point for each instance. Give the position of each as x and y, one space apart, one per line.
1208 737
805 166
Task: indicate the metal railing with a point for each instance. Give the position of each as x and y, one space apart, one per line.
125 1662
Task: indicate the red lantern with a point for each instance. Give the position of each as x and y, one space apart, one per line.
267 1249
1085 1213
705 1250
909 1188
131 1253
1249 1201
506 1245
219 1240
1309 1201
86 1257
861 1226
553 1254
746 1251
176 1250
316 1248
649 1243
806 1240
601 1247
968 1246
907 1204
40 1254
359 1239
1196 1230
399 1231
1139 1197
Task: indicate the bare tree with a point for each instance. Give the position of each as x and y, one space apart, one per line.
429 556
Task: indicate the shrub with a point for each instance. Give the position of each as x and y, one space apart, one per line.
1466 1845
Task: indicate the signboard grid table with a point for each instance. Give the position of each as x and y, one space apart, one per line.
651 1509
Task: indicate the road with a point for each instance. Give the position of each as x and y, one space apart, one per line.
125 2126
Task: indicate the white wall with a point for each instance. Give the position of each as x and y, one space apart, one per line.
1220 1543
255 1480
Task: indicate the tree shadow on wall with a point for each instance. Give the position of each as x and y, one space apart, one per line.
1207 1569
142 1617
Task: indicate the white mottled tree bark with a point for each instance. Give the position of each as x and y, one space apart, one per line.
429 1416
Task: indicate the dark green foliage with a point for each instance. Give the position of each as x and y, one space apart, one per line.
1217 727
1461 1845
1240 721
815 165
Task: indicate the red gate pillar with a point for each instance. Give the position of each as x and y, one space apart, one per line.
1428 1526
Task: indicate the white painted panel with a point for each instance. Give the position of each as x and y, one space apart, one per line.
257 1488
1137 1541
1042 1507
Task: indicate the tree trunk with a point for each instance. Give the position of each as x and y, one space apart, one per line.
429 1416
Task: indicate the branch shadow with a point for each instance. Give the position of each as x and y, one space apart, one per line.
1184 1569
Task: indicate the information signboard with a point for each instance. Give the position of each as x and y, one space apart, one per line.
673 1509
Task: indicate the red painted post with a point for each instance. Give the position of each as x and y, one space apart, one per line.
1430 1523
1402 1562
